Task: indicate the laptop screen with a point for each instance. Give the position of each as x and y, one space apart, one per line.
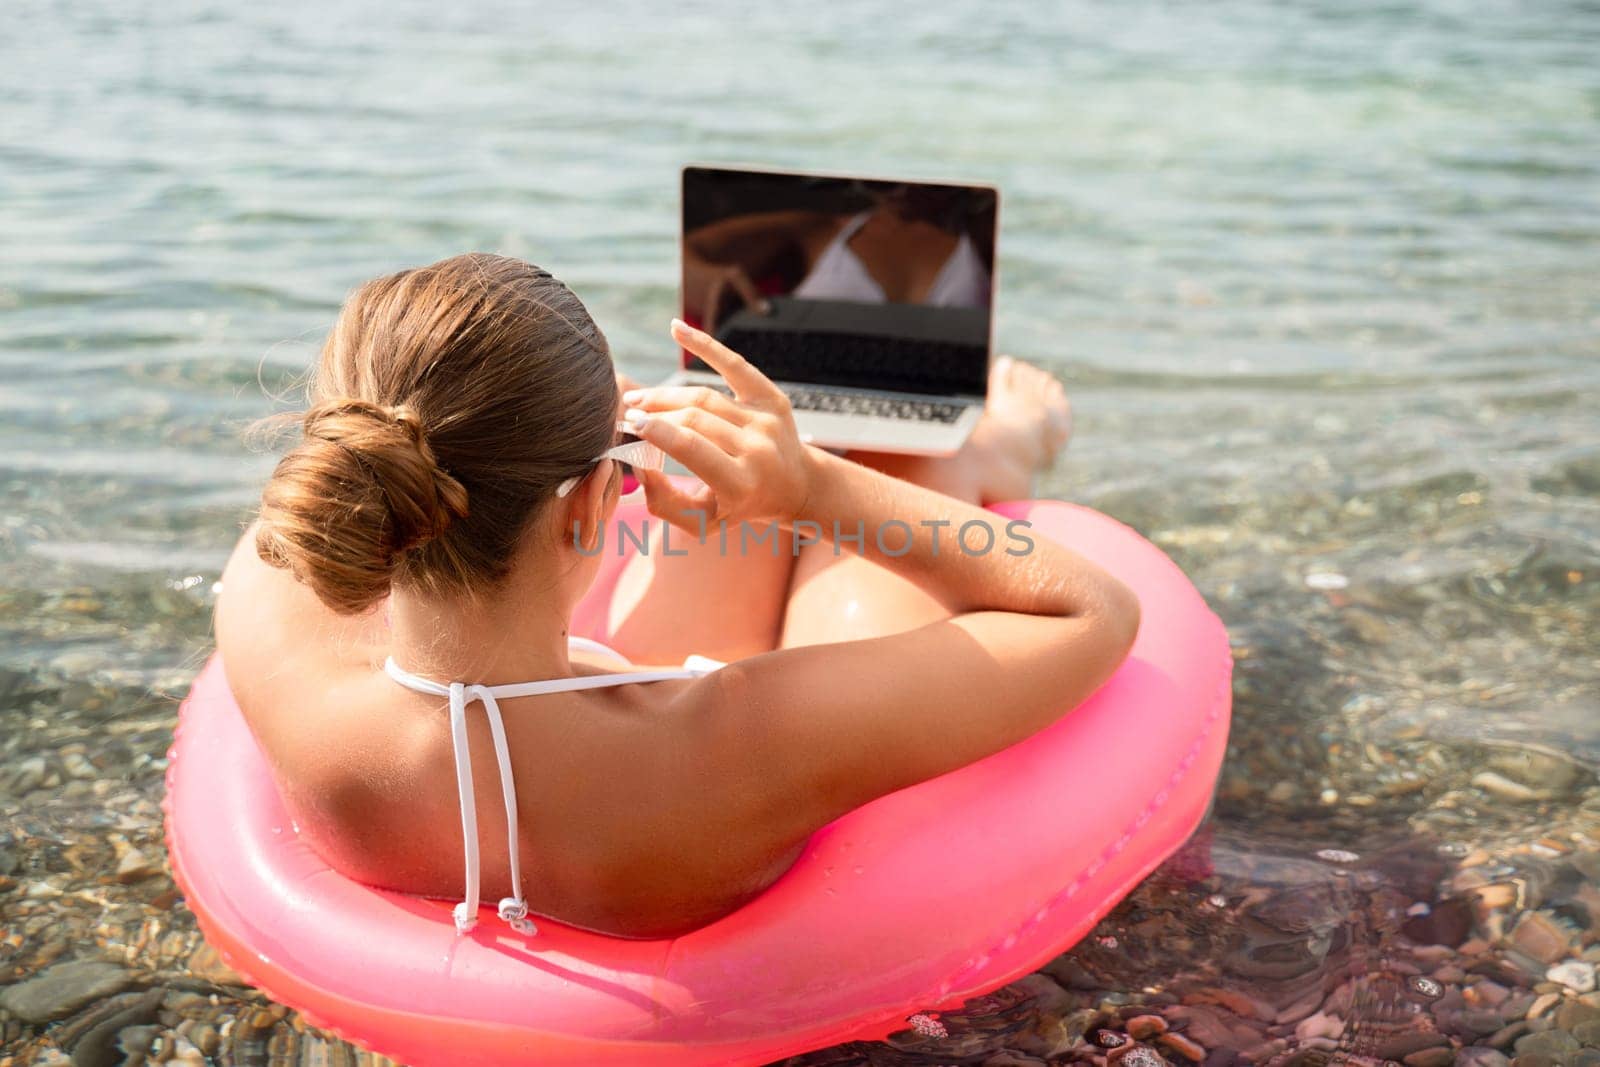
852 282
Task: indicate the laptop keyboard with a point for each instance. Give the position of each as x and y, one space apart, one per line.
888 407
862 360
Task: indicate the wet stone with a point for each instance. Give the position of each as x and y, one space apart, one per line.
1144 1027
1399 1046
1542 938
94 1038
1441 1056
1479 1023
135 866
1488 993
1573 1013
206 964
1448 923
137 1040
28 776
1141 1056
1498 785
1478 1056
1183 1046
62 989
1543 1004
1576 975
1553 1043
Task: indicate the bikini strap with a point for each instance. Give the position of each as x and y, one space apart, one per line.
848 230
513 909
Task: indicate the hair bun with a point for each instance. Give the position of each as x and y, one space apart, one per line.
362 489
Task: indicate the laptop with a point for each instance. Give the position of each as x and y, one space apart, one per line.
868 301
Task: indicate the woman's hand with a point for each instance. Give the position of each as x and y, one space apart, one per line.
730 287
716 288
744 448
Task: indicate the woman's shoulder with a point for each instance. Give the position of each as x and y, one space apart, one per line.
272 629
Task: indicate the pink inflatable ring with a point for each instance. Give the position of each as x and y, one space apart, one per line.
916 902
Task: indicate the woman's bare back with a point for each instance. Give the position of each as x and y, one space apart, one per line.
634 819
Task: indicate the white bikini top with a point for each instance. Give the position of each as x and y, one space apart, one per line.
514 909
839 274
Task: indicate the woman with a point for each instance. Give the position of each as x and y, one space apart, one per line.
437 523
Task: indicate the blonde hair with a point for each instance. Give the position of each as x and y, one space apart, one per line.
448 404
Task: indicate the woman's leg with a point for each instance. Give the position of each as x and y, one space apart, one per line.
736 600
704 602
707 601
836 595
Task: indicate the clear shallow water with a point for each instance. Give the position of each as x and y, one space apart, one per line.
1322 278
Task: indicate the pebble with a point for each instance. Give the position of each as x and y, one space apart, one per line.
1502 1039
1440 1056
1551 773
1576 975
135 866
1184 1047
1573 1013
29 775
137 1040
1488 992
1478 1056
62 989
206 964
1541 938
95 1036
1553 1043
1399 1046
1480 1022
1144 1027
1137 1056
1320 1025
1504 788
206 1039
78 765
1545 1002
1337 855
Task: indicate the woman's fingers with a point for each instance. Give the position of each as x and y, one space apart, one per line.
669 398
749 384
688 509
699 440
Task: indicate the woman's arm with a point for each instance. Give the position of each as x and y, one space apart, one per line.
721 260
1034 630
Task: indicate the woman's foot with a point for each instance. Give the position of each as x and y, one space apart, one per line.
1026 423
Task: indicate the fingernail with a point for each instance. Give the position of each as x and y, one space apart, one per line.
681 326
635 419
632 396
